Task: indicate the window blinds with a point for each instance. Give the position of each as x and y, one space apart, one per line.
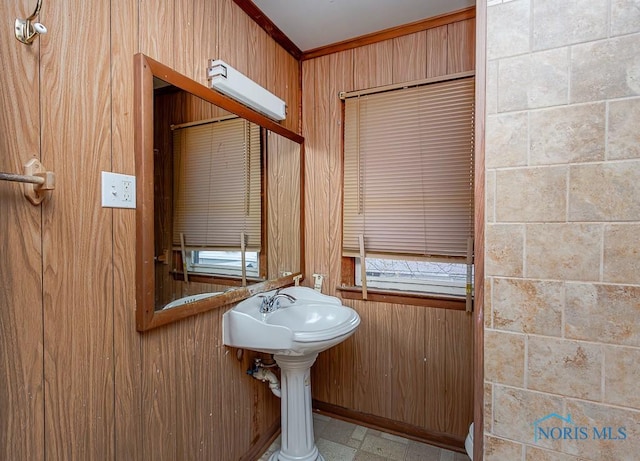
408 174
217 185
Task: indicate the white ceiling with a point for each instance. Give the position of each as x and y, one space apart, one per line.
314 23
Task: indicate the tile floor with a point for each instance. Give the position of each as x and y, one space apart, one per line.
342 441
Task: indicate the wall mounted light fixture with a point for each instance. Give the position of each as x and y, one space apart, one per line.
231 82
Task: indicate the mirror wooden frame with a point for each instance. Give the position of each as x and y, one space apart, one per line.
146 315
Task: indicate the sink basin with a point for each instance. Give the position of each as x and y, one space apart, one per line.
312 323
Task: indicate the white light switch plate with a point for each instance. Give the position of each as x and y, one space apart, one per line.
118 190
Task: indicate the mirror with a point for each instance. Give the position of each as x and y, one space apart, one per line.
219 198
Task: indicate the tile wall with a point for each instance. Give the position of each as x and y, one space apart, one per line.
562 319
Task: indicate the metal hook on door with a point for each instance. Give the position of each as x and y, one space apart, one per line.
27 31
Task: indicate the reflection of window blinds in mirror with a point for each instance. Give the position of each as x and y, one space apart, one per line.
408 178
217 189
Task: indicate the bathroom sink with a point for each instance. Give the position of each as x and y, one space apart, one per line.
311 323
294 324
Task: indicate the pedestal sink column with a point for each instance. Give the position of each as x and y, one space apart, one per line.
297 440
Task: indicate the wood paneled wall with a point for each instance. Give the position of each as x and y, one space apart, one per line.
21 298
284 215
405 366
78 381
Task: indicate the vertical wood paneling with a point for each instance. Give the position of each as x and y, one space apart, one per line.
158 422
435 390
157 30
188 408
437 51
360 358
409 357
341 80
461 46
259 49
309 123
293 86
208 399
21 322
286 87
410 57
126 348
373 65
459 366
77 246
78 376
205 41
318 207
320 169
275 171
372 349
276 243
237 391
183 46
283 178
232 44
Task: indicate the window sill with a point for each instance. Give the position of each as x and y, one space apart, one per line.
215 278
403 297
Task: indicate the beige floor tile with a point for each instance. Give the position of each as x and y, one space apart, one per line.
332 451
337 431
446 455
354 443
319 425
366 456
387 448
321 417
395 438
359 432
422 452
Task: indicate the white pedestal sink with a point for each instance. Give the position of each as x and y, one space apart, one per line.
295 332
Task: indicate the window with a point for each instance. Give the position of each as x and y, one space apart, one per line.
227 263
408 187
218 197
419 276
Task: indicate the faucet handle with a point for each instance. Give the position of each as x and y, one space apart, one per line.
265 304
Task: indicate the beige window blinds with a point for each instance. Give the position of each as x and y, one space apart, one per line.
408 175
217 188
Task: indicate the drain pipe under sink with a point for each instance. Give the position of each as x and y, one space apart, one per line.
261 373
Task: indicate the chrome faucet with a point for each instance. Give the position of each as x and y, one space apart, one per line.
272 303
